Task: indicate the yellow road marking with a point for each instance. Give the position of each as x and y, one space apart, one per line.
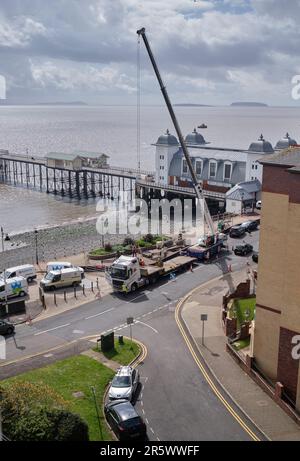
207 377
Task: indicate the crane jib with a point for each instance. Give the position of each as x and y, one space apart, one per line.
197 186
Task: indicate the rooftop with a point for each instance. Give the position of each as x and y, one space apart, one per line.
62 156
288 157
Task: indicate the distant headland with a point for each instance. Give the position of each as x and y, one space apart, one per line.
248 104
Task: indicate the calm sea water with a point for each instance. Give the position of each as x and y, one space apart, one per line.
112 130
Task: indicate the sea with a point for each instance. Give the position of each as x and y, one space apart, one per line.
36 130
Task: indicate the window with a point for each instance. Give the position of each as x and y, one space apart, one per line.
227 171
162 157
184 167
212 169
198 167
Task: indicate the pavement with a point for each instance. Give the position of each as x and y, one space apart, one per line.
265 414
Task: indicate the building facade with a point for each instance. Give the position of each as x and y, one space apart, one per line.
77 160
277 321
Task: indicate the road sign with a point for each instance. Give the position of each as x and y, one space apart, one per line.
203 319
129 320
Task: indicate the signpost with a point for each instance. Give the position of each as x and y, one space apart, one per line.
203 319
130 321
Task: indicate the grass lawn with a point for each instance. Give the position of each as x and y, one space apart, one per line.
76 374
123 353
238 345
242 307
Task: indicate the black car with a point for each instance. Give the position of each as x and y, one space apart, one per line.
124 420
6 328
237 231
250 226
243 250
255 257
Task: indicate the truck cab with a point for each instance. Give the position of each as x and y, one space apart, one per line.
125 274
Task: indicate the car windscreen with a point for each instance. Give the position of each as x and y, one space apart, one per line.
118 272
49 276
121 381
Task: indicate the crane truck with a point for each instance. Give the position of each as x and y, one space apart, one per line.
209 244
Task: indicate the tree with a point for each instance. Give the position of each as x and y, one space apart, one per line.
35 412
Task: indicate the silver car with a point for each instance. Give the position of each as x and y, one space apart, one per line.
124 384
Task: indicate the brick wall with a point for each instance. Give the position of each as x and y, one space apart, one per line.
287 371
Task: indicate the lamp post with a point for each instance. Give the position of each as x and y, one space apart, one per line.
36 247
4 239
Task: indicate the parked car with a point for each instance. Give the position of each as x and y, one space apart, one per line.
14 287
249 226
243 250
6 328
124 384
258 204
237 231
27 271
126 423
255 257
61 279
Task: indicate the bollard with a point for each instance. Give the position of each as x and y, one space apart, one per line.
97 283
83 290
92 286
65 296
54 295
75 293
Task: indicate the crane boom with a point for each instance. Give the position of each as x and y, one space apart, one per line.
196 184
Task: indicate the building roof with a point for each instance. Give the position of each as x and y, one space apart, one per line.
195 138
168 139
89 154
243 190
285 142
61 156
261 145
288 157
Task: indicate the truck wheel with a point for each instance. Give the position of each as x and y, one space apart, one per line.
22 294
29 280
9 331
134 287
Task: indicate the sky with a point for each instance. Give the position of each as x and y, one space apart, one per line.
208 51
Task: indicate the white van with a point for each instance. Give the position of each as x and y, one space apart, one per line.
13 287
62 278
27 271
59 265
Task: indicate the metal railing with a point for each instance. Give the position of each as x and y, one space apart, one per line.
171 187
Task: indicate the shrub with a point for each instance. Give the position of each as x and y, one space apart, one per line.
108 247
34 412
141 243
128 241
148 238
69 427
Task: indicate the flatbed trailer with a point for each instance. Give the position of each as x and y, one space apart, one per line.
205 254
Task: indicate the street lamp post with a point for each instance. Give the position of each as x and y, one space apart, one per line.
36 247
6 238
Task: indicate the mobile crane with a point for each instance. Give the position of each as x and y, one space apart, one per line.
211 239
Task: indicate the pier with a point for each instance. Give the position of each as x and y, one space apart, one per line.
83 183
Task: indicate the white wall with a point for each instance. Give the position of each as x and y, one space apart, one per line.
162 165
233 206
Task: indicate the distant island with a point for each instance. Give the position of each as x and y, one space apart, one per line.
62 103
187 104
249 104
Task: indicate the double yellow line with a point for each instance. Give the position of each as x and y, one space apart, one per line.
206 375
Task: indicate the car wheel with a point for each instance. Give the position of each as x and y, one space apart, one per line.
22 294
29 280
10 331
